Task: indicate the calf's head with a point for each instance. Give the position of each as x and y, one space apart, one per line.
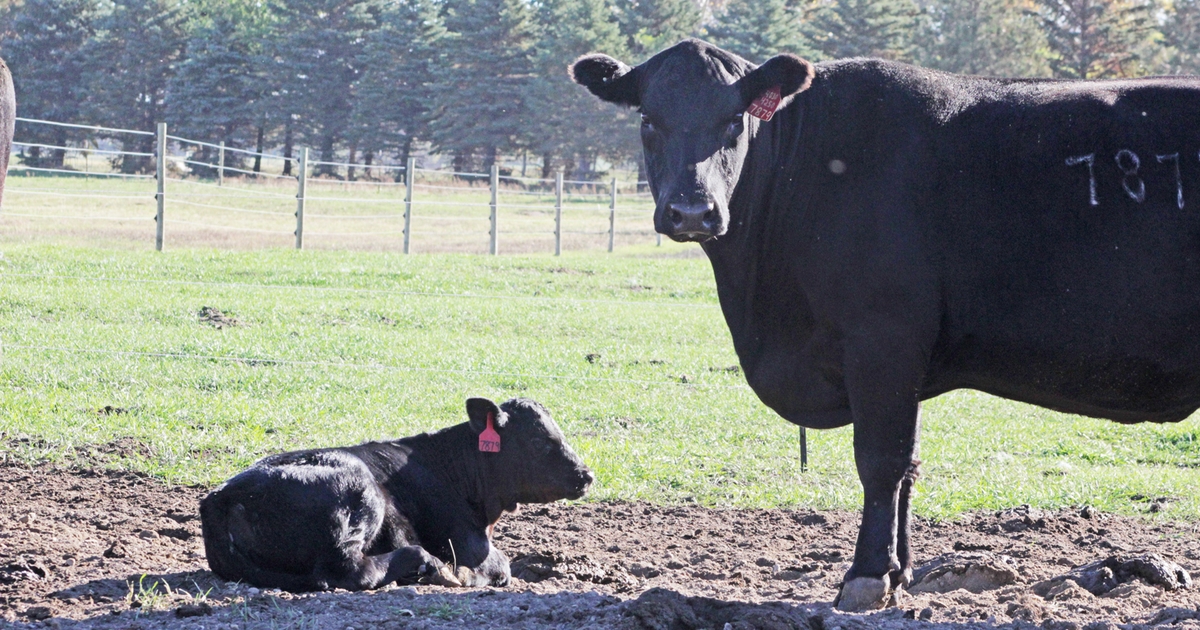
693 98
534 464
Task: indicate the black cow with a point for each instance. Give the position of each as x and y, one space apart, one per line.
893 233
365 516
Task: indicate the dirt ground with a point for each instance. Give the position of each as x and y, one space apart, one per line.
95 549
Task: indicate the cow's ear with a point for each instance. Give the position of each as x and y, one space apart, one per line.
478 410
788 72
607 78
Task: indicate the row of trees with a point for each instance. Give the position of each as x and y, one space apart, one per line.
476 79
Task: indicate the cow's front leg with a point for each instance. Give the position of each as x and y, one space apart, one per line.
883 398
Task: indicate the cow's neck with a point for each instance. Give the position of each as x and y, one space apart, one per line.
455 460
755 207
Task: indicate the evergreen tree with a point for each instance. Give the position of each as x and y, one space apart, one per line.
43 49
863 28
1181 35
570 130
1094 39
760 29
652 25
219 92
317 47
984 37
481 101
127 67
400 61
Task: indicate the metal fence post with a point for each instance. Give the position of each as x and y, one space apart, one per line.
302 178
161 175
558 182
221 165
410 173
495 184
612 215
803 450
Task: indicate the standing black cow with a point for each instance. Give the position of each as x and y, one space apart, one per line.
368 515
893 233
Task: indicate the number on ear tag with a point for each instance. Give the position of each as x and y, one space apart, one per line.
764 106
489 440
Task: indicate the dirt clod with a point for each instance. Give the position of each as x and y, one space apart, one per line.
199 609
975 572
217 319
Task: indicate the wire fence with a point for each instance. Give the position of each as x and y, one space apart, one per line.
200 193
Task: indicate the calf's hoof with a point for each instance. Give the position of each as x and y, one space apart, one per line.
864 593
437 573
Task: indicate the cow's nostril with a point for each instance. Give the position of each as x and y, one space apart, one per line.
675 216
710 217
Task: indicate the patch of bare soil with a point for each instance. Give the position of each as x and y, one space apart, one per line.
90 549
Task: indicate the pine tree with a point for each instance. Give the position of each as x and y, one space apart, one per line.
127 66
1181 35
481 101
317 49
219 92
984 37
43 49
400 61
651 25
1094 39
863 28
760 29
571 130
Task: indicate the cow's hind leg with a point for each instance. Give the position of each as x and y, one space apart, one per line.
883 398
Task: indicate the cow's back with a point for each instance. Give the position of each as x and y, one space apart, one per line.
1070 272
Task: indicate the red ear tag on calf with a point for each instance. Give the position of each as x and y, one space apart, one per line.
489 440
764 106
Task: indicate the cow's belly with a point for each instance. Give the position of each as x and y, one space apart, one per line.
1123 386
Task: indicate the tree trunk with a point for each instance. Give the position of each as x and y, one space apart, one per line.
368 158
327 155
287 147
405 153
258 147
350 160
60 139
547 165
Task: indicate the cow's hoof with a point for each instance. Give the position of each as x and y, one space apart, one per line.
864 593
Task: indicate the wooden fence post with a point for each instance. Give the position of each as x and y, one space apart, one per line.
495 184
161 175
612 215
410 173
221 165
558 183
302 178
803 450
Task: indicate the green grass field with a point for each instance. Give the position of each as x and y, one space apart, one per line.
338 347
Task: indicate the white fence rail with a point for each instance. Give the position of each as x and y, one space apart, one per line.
517 206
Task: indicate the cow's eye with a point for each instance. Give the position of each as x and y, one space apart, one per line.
735 125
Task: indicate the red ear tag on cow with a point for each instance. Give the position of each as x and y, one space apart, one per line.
489 440
764 106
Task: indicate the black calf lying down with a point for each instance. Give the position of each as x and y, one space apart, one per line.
364 516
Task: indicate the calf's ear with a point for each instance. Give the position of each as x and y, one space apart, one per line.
607 78
478 410
789 73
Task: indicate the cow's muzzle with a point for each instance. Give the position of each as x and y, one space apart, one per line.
691 221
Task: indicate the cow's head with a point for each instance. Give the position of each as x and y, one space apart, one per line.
534 464
693 98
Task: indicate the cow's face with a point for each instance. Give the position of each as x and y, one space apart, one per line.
693 98
535 464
